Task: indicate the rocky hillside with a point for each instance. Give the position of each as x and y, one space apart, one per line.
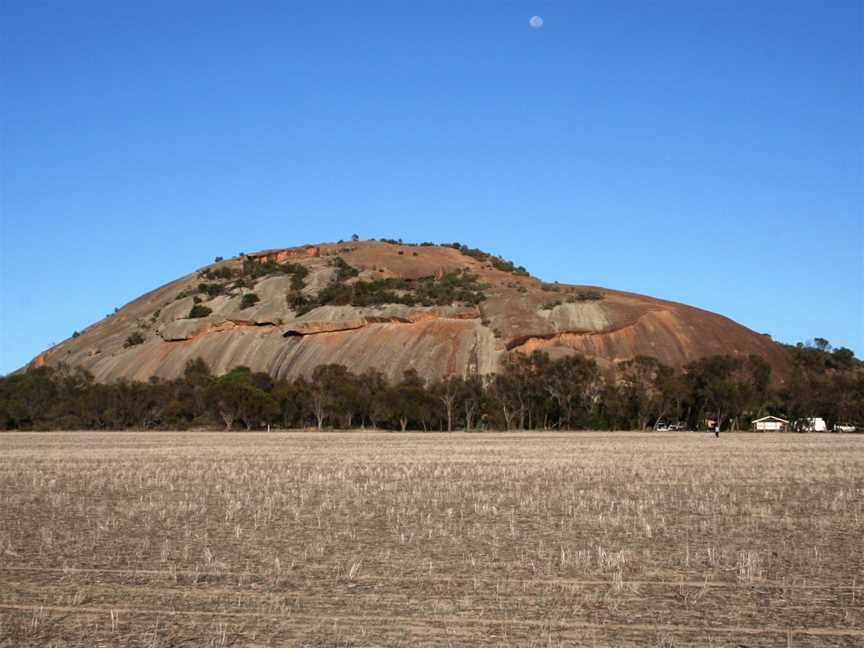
438 309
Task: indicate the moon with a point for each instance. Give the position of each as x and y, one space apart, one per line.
536 22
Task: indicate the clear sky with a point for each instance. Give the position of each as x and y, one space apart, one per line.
706 152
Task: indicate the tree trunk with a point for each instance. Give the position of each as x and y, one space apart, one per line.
508 417
228 418
403 422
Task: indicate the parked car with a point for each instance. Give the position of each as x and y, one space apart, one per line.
845 427
670 427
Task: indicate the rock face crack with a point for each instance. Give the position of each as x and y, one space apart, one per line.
314 327
188 329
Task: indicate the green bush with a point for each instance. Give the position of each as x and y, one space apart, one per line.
214 274
451 287
588 295
335 294
497 262
255 269
133 340
297 302
187 292
379 291
343 269
199 311
581 296
507 266
211 289
249 299
298 275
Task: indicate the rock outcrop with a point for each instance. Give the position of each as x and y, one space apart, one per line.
281 336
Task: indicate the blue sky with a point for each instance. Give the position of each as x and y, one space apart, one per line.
709 153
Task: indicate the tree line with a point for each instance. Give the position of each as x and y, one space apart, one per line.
530 392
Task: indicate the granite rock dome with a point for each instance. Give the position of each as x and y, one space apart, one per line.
438 309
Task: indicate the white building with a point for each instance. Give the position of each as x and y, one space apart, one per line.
770 424
812 425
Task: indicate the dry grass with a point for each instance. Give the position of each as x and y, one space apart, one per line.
364 539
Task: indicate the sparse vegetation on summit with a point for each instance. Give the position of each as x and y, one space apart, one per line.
220 273
588 295
497 262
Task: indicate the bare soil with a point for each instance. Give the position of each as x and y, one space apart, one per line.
377 539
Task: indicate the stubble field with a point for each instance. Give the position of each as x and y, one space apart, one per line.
375 539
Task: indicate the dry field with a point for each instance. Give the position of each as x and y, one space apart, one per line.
303 539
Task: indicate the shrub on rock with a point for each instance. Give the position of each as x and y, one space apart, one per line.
249 299
133 339
199 311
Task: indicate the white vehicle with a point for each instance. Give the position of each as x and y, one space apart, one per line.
669 427
844 427
816 424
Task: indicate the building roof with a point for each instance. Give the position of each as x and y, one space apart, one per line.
770 418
